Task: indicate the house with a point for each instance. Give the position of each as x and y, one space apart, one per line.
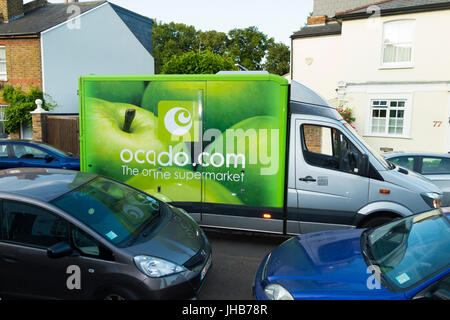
49 46
388 61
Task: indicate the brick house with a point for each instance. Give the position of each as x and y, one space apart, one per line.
49 46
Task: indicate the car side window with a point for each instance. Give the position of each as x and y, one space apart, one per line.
85 243
22 151
328 148
405 162
434 165
29 225
3 150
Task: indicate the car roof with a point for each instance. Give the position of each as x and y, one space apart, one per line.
40 183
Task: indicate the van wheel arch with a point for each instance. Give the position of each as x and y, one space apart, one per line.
377 218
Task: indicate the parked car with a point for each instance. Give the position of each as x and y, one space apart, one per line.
74 235
25 153
435 167
405 259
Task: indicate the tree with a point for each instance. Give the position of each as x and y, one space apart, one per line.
278 59
172 39
248 47
193 62
216 42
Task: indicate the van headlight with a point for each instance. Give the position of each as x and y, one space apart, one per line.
157 267
432 199
277 292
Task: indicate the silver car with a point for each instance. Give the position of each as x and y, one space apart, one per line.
434 166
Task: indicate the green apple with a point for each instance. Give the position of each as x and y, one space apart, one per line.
130 92
157 91
113 150
258 139
181 185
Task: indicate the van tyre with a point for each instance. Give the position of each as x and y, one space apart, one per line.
377 221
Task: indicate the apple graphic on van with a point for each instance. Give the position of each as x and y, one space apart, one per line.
259 139
119 131
180 185
117 91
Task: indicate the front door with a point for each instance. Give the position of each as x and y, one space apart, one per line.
330 189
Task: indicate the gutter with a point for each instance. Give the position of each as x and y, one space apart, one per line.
396 11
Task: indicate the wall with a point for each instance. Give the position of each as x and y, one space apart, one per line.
362 49
23 63
102 45
316 63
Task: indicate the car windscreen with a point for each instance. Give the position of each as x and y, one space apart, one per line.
411 250
115 211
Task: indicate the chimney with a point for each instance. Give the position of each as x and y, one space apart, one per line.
317 20
10 10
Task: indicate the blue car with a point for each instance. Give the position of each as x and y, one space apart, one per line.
24 153
406 259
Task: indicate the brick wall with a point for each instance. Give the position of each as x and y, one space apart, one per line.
23 63
313 138
330 7
10 9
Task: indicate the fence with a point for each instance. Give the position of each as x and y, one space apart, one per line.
63 132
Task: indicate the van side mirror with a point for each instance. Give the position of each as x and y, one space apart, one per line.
59 250
364 165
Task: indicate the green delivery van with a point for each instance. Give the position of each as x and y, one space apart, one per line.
245 151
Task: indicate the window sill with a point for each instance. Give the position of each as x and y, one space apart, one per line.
387 136
396 66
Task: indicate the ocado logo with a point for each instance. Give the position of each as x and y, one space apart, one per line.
178 121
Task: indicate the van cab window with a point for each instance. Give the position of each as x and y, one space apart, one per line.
328 148
29 225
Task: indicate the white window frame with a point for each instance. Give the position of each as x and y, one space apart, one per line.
2 114
4 76
402 64
407 118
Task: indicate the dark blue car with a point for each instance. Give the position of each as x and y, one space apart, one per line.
405 259
23 153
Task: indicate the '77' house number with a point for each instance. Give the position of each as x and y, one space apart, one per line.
437 124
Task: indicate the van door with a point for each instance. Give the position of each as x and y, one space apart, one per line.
329 188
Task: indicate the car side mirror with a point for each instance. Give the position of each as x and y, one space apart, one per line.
49 158
364 165
441 294
59 250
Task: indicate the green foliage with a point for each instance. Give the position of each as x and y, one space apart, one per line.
172 39
192 62
248 47
20 105
278 59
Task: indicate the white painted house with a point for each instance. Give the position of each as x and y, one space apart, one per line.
388 61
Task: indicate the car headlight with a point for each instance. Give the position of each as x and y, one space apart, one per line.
277 292
157 267
432 199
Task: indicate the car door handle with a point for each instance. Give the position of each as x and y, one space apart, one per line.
308 179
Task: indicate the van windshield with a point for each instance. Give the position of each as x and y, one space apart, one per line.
368 147
115 211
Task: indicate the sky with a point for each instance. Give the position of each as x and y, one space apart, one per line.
276 18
